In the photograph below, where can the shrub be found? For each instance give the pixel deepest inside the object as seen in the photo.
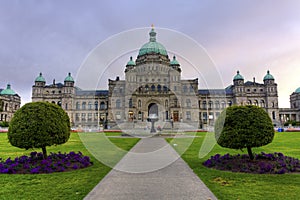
(4, 124)
(241, 127)
(264, 163)
(37, 164)
(38, 125)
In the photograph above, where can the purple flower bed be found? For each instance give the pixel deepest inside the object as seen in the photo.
(263, 163)
(36, 164)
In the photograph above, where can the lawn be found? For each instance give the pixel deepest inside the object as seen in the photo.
(228, 185)
(64, 185)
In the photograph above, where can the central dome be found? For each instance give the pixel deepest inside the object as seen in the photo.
(152, 46)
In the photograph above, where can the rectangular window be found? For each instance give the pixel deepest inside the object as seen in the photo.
(188, 115)
(83, 117)
(90, 117)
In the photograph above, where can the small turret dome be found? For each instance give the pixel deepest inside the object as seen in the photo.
(152, 46)
(69, 78)
(174, 61)
(238, 76)
(130, 62)
(297, 90)
(8, 91)
(40, 78)
(268, 76)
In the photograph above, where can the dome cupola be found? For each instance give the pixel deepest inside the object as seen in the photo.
(238, 76)
(130, 62)
(152, 46)
(268, 76)
(8, 91)
(69, 78)
(40, 78)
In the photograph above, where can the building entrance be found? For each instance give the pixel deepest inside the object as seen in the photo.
(175, 116)
(153, 109)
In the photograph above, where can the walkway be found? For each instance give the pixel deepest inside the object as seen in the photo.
(151, 170)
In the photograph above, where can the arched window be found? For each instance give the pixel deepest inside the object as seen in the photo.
(96, 105)
(217, 105)
(83, 105)
(166, 104)
(130, 103)
(210, 105)
(146, 88)
(229, 103)
(273, 115)
(191, 89)
(153, 88)
(185, 88)
(255, 102)
(102, 105)
(118, 103)
(204, 104)
(90, 105)
(159, 88)
(165, 88)
(77, 106)
(188, 103)
(139, 103)
(273, 104)
(249, 102)
(223, 105)
(262, 103)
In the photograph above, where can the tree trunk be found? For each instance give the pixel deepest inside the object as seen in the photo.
(44, 152)
(250, 153)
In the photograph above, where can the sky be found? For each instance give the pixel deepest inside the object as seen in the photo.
(55, 37)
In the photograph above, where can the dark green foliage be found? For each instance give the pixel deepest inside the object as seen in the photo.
(4, 124)
(241, 127)
(38, 125)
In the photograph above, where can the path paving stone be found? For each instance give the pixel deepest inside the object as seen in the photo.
(151, 170)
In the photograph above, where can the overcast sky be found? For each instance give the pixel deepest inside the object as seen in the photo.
(55, 36)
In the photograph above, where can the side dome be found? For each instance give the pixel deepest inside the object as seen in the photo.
(8, 91)
(238, 76)
(174, 61)
(297, 90)
(130, 62)
(40, 78)
(69, 78)
(152, 46)
(268, 76)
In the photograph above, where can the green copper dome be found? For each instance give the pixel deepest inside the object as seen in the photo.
(152, 46)
(238, 76)
(69, 78)
(174, 61)
(8, 91)
(268, 76)
(40, 78)
(297, 90)
(130, 62)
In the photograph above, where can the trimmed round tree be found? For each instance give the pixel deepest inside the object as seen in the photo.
(240, 127)
(38, 125)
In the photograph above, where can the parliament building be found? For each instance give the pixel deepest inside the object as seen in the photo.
(153, 85)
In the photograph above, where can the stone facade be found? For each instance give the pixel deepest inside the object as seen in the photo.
(9, 103)
(153, 85)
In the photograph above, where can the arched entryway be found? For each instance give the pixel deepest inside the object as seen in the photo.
(153, 109)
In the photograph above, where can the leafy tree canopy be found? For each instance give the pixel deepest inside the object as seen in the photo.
(38, 125)
(241, 127)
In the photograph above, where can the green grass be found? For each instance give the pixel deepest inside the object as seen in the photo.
(64, 185)
(229, 185)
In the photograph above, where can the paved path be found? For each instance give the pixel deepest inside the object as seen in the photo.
(151, 170)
